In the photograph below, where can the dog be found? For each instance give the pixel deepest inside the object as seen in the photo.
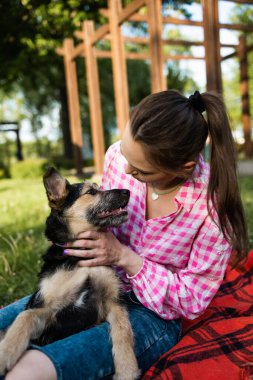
(71, 298)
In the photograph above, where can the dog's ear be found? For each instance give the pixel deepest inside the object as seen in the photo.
(56, 187)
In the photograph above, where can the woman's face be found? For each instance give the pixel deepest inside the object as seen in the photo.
(139, 167)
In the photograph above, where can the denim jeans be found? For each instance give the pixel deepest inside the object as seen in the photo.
(88, 354)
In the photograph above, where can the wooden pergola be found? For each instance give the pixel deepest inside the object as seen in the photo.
(13, 126)
(152, 15)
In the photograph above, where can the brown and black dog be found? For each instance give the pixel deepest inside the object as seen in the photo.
(71, 298)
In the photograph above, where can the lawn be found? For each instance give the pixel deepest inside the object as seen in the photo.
(23, 209)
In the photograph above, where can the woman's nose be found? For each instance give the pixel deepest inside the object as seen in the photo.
(130, 170)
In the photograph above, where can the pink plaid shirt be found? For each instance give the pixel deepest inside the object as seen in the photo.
(185, 254)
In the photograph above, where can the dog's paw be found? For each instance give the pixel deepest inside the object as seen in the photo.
(2, 334)
(128, 375)
(8, 357)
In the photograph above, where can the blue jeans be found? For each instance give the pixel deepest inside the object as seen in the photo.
(88, 354)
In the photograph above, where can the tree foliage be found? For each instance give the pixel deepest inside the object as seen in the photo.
(30, 32)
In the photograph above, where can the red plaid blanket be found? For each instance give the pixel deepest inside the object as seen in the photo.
(219, 344)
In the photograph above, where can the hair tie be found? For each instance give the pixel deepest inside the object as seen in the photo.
(196, 102)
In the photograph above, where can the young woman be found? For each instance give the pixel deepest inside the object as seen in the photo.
(185, 220)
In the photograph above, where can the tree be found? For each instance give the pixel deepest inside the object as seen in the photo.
(30, 32)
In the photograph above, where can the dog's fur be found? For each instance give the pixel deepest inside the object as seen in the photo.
(71, 298)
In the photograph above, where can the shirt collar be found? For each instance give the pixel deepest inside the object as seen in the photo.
(191, 190)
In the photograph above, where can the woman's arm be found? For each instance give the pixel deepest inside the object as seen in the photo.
(186, 293)
(189, 291)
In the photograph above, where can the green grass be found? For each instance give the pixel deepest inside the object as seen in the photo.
(23, 209)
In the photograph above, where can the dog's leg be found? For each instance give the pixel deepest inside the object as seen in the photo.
(2, 334)
(126, 366)
(28, 325)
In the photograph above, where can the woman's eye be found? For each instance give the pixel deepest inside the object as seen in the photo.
(142, 173)
(92, 191)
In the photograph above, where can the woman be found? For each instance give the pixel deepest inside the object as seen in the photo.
(184, 222)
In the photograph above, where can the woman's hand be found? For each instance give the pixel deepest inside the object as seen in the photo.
(103, 248)
(97, 248)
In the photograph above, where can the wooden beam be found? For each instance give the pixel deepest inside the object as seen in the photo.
(169, 41)
(103, 54)
(229, 45)
(130, 9)
(73, 104)
(244, 87)
(166, 20)
(137, 40)
(127, 12)
(158, 80)
(118, 66)
(94, 97)
(141, 56)
(178, 57)
(235, 54)
(78, 50)
(79, 34)
(176, 21)
(232, 55)
(249, 48)
(138, 18)
(104, 12)
(212, 45)
(100, 33)
(60, 51)
(138, 56)
(240, 1)
(242, 27)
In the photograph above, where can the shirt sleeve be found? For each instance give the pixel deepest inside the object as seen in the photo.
(188, 292)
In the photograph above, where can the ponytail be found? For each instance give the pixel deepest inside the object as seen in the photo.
(223, 190)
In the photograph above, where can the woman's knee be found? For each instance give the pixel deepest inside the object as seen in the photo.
(34, 365)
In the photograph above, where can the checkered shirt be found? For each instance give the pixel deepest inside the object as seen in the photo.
(185, 255)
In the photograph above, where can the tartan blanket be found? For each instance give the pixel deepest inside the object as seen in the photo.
(219, 344)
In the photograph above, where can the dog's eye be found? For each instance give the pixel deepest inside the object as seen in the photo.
(91, 191)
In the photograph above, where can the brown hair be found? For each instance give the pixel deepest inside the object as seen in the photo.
(173, 132)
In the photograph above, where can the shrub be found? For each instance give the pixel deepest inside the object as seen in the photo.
(36, 167)
(29, 168)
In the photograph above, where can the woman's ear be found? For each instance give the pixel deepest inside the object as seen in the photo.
(189, 166)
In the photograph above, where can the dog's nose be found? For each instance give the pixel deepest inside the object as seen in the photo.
(125, 192)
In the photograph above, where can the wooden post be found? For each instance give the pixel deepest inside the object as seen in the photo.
(212, 45)
(73, 104)
(19, 146)
(158, 79)
(94, 97)
(244, 87)
(118, 65)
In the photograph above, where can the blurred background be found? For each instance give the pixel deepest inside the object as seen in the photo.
(34, 114)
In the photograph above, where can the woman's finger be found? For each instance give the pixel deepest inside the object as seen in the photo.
(94, 235)
(90, 263)
(82, 243)
(79, 253)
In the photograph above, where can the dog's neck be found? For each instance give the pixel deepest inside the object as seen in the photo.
(64, 245)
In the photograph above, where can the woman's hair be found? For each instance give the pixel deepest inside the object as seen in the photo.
(172, 131)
